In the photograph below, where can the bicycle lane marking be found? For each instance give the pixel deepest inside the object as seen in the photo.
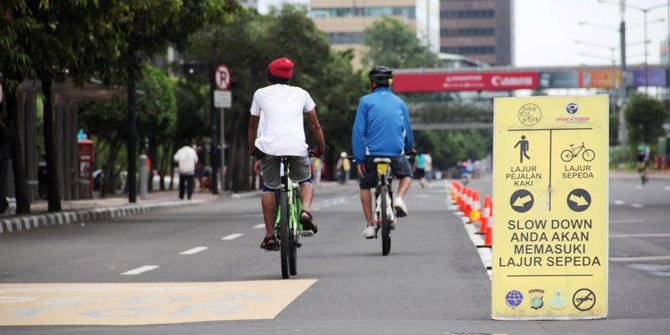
(145, 303)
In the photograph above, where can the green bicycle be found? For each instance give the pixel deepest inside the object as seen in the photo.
(288, 228)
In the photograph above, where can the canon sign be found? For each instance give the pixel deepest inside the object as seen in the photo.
(465, 81)
(503, 81)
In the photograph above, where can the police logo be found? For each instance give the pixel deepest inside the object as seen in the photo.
(513, 298)
(535, 298)
(572, 108)
(557, 301)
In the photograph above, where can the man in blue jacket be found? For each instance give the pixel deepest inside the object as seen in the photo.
(381, 129)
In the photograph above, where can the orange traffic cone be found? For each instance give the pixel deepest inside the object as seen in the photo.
(475, 208)
(488, 239)
(487, 207)
(483, 225)
(468, 202)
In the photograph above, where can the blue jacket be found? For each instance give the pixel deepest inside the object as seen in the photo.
(381, 127)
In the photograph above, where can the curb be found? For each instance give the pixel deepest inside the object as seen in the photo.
(28, 222)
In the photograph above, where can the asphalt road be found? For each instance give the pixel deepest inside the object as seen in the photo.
(434, 281)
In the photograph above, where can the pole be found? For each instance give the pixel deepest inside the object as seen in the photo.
(215, 141)
(622, 126)
(646, 78)
(131, 180)
(223, 151)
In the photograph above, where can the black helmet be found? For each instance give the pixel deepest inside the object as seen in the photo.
(381, 75)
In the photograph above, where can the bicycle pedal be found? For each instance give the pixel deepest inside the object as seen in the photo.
(306, 233)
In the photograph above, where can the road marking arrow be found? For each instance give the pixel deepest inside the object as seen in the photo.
(522, 201)
(579, 200)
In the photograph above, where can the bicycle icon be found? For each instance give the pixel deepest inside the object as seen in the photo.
(569, 154)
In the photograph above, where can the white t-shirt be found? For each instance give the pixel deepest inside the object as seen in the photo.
(187, 158)
(281, 107)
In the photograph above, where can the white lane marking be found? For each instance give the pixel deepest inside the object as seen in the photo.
(139, 270)
(627, 221)
(640, 259)
(259, 226)
(193, 250)
(231, 237)
(636, 205)
(638, 235)
(619, 202)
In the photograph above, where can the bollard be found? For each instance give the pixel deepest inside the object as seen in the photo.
(144, 177)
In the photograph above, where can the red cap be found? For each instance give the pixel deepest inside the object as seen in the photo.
(281, 67)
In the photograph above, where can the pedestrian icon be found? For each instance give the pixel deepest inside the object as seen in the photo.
(579, 200)
(523, 148)
(522, 201)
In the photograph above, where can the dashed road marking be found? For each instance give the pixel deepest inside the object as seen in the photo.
(637, 205)
(640, 259)
(139, 270)
(193, 250)
(638, 235)
(259, 226)
(231, 237)
(627, 221)
(619, 202)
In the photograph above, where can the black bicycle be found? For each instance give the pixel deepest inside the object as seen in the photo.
(384, 214)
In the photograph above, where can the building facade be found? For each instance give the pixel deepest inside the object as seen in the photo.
(344, 20)
(479, 29)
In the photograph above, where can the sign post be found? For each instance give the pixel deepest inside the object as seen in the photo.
(223, 98)
(550, 251)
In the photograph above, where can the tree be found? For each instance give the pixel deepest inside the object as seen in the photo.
(248, 46)
(394, 44)
(156, 115)
(45, 40)
(147, 30)
(644, 119)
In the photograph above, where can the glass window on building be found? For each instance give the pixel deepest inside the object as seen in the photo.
(470, 50)
(405, 12)
(345, 38)
(468, 14)
(468, 32)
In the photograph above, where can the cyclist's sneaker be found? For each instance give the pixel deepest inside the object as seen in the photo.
(370, 232)
(308, 226)
(400, 207)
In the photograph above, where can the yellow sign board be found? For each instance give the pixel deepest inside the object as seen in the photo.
(550, 170)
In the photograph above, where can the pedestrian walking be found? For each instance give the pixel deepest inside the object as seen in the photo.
(186, 158)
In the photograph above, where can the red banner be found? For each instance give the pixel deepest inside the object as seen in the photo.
(465, 81)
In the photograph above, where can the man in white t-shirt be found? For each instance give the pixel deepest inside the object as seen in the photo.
(187, 158)
(282, 108)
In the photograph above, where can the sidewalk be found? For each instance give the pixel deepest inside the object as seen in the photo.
(87, 210)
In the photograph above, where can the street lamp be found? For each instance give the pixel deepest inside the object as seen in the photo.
(622, 84)
(622, 8)
(613, 59)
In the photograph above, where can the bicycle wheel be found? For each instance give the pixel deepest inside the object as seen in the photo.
(293, 238)
(284, 242)
(589, 155)
(386, 222)
(567, 155)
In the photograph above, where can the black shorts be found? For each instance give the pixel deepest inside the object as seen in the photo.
(399, 167)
